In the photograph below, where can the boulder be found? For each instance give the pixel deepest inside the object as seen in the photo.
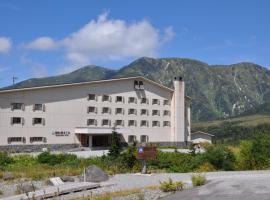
(26, 187)
(67, 179)
(8, 176)
(94, 174)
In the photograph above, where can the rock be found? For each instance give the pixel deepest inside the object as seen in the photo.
(8, 176)
(67, 179)
(26, 187)
(94, 174)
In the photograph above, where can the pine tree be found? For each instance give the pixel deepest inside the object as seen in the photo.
(115, 147)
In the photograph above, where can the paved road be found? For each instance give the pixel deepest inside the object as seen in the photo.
(242, 186)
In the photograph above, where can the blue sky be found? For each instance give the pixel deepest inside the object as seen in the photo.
(44, 38)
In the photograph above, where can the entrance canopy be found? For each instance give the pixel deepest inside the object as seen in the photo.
(100, 131)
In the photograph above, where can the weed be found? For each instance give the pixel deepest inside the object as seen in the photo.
(198, 180)
(171, 186)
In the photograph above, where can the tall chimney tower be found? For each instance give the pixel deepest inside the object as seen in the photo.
(179, 110)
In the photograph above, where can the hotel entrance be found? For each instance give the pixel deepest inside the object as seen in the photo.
(100, 141)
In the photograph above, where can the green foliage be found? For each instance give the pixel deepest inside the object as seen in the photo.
(174, 162)
(234, 130)
(198, 180)
(171, 186)
(128, 157)
(57, 159)
(245, 159)
(115, 147)
(261, 151)
(5, 159)
(220, 156)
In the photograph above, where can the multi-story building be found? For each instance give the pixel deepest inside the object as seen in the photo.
(83, 114)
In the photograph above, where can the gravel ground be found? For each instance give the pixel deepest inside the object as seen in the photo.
(130, 181)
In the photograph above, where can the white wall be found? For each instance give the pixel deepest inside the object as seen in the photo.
(66, 109)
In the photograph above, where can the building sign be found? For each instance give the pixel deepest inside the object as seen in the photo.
(147, 153)
(61, 133)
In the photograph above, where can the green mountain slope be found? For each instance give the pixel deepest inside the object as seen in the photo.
(217, 91)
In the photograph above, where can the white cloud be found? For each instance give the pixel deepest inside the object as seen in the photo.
(42, 43)
(108, 39)
(5, 44)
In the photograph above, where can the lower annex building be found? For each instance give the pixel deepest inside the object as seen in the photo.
(83, 114)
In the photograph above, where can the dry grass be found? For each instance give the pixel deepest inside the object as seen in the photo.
(121, 193)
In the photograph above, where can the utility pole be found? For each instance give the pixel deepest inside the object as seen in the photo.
(14, 78)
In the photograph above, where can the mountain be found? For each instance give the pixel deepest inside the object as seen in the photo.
(217, 91)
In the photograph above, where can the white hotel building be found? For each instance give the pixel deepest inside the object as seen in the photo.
(83, 114)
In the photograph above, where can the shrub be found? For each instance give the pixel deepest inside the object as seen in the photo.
(221, 157)
(198, 180)
(56, 159)
(128, 158)
(171, 186)
(206, 167)
(5, 159)
(174, 162)
(245, 159)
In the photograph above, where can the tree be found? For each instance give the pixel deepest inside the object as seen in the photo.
(115, 147)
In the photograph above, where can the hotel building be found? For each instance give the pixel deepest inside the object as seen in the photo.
(83, 114)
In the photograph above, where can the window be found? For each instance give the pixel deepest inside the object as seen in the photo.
(17, 120)
(92, 109)
(119, 122)
(166, 113)
(155, 123)
(166, 102)
(132, 100)
(38, 107)
(106, 122)
(106, 110)
(106, 98)
(144, 123)
(91, 122)
(16, 139)
(131, 123)
(136, 85)
(155, 112)
(17, 106)
(144, 112)
(132, 111)
(119, 111)
(131, 138)
(166, 123)
(141, 85)
(144, 101)
(38, 139)
(155, 101)
(144, 138)
(119, 99)
(92, 97)
(38, 120)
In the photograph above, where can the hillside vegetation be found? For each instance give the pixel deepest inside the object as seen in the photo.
(217, 91)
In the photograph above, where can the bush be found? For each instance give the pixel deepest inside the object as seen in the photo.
(221, 157)
(198, 180)
(174, 162)
(5, 159)
(57, 159)
(245, 159)
(206, 167)
(171, 186)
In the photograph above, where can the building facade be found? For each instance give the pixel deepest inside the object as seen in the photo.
(83, 114)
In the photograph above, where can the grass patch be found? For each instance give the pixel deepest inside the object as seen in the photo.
(122, 193)
(171, 186)
(198, 180)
